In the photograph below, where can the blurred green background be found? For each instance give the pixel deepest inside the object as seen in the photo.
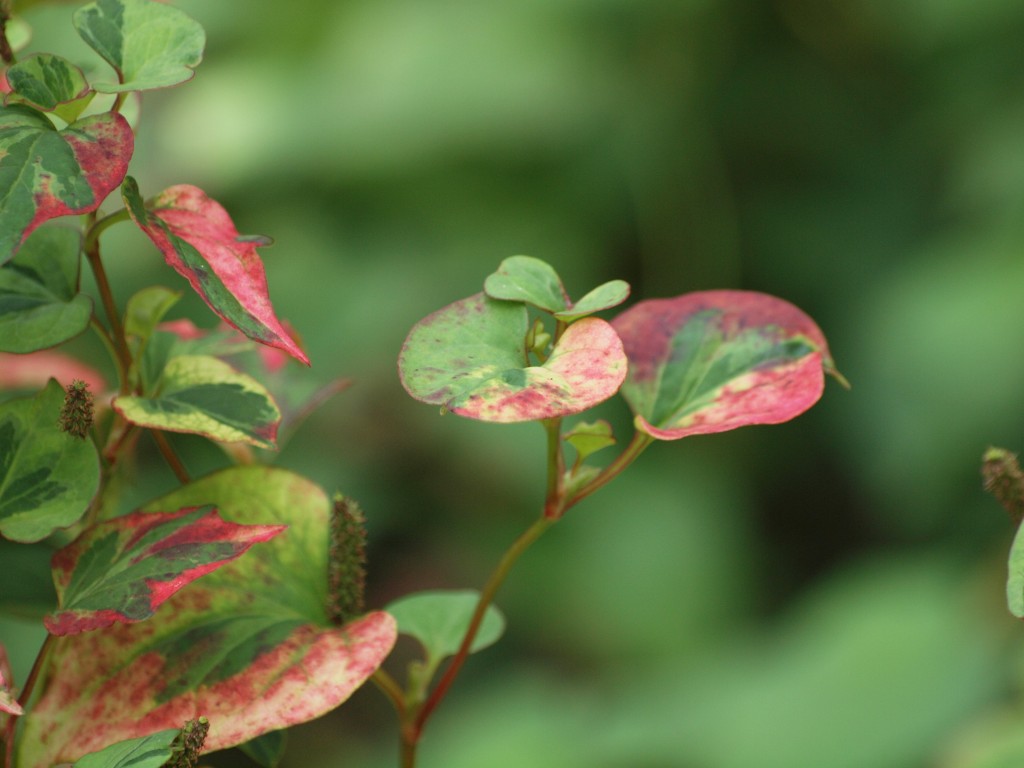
(827, 592)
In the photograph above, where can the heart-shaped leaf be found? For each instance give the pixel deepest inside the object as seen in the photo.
(530, 280)
(198, 239)
(45, 173)
(717, 360)
(150, 44)
(469, 357)
(47, 478)
(124, 569)
(249, 645)
(39, 301)
(152, 751)
(52, 84)
(206, 396)
(438, 619)
(590, 437)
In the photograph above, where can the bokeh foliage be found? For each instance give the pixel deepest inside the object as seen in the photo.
(827, 592)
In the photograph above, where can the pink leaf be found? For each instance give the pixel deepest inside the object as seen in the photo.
(198, 239)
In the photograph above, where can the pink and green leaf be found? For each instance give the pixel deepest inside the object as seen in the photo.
(717, 360)
(198, 239)
(150, 45)
(50, 83)
(124, 569)
(47, 477)
(39, 301)
(205, 396)
(469, 357)
(45, 173)
(249, 645)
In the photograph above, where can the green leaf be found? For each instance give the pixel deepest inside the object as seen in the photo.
(524, 278)
(438, 619)
(39, 301)
(266, 750)
(122, 570)
(717, 360)
(45, 173)
(206, 396)
(1015, 578)
(149, 44)
(249, 645)
(52, 84)
(143, 312)
(26, 582)
(47, 478)
(150, 751)
(605, 296)
(469, 357)
(198, 239)
(589, 437)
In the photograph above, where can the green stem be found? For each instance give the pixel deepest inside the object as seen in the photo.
(553, 499)
(636, 446)
(170, 456)
(26, 695)
(92, 253)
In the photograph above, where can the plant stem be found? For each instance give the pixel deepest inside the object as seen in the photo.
(92, 252)
(411, 734)
(6, 52)
(553, 499)
(172, 459)
(636, 446)
(26, 694)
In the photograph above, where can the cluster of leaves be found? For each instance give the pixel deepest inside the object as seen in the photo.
(171, 614)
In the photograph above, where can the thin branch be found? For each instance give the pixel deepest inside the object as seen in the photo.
(172, 459)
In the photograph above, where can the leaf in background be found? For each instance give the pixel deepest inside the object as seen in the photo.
(45, 173)
(39, 301)
(205, 396)
(438, 619)
(152, 751)
(469, 357)
(51, 84)
(124, 569)
(717, 360)
(249, 646)
(26, 581)
(151, 45)
(47, 478)
(198, 239)
(34, 370)
(266, 750)
(524, 278)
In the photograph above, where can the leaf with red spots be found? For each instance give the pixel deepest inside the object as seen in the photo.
(717, 360)
(124, 569)
(45, 173)
(249, 645)
(198, 239)
(470, 358)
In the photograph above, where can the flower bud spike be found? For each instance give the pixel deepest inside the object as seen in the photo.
(189, 744)
(77, 412)
(346, 562)
(1004, 480)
